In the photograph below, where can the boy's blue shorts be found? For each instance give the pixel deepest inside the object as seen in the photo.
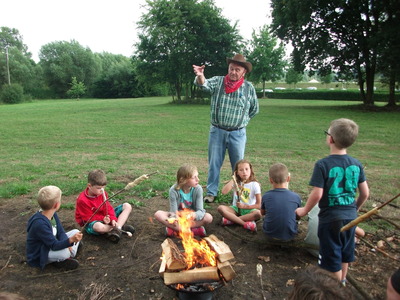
(89, 227)
(335, 247)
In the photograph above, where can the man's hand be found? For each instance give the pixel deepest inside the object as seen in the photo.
(199, 70)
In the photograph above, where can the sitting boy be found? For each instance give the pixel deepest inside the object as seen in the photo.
(47, 241)
(279, 206)
(92, 206)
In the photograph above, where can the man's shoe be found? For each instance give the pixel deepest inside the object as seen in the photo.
(114, 235)
(128, 228)
(209, 198)
(251, 225)
(199, 231)
(169, 232)
(226, 222)
(68, 264)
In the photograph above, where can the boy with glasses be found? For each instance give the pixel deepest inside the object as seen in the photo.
(335, 180)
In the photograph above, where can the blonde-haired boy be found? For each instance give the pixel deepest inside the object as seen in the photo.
(279, 205)
(47, 242)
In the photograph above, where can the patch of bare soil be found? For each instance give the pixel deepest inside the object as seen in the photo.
(129, 269)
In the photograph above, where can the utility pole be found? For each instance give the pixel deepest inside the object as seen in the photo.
(8, 67)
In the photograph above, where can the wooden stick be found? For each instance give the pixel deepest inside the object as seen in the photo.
(381, 251)
(127, 187)
(366, 215)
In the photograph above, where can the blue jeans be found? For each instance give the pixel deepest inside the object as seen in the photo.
(219, 141)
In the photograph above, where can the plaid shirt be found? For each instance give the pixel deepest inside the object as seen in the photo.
(232, 110)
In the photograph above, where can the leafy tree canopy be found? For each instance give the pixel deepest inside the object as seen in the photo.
(62, 61)
(175, 34)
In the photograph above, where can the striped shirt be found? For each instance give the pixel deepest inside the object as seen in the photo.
(232, 110)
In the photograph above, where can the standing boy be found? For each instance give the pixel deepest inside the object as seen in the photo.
(47, 241)
(279, 206)
(92, 206)
(335, 180)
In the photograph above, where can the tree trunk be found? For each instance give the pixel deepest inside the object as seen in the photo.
(392, 83)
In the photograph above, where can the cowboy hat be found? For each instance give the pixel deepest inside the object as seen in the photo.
(240, 60)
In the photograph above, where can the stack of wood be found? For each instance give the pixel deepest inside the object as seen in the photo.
(173, 266)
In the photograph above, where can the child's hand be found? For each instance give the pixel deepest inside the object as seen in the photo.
(240, 205)
(107, 219)
(301, 212)
(76, 237)
(114, 223)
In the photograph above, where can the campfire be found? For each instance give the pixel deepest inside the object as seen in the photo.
(202, 266)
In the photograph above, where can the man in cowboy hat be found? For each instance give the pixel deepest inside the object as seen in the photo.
(233, 103)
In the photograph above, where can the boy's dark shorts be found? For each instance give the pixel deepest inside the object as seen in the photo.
(335, 247)
(89, 228)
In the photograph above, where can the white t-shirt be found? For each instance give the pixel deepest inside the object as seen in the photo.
(249, 192)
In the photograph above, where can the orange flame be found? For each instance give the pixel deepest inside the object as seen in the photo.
(196, 252)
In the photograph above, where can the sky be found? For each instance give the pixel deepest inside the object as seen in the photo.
(103, 25)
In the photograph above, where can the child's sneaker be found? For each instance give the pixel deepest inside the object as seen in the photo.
(68, 264)
(251, 225)
(226, 222)
(114, 235)
(128, 228)
(199, 231)
(79, 251)
(170, 232)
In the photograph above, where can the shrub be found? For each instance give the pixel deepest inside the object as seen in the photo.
(11, 94)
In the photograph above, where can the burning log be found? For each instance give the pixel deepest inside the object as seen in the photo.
(223, 251)
(226, 270)
(192, 276)
(174, 259)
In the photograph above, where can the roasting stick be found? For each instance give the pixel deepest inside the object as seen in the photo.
(127, 187)
(238, 190)
(366, 215)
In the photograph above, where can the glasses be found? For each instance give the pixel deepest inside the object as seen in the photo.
(327, 133)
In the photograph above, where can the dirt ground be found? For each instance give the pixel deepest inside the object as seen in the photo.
(129, 269)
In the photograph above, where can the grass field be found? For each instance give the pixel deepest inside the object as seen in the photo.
(58, 141)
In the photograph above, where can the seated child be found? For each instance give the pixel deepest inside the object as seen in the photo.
(92, 206)
(47, 241)
(279, 206)
(245, 209)
(185, 193)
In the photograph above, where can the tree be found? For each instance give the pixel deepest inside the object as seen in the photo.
(21, 68)
(118, 78)
(267, 57)
(77, 89)
(341, 34)
(175, 34)
(63, 60)
(292, 76)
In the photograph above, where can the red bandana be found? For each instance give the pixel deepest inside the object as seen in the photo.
(230, 85)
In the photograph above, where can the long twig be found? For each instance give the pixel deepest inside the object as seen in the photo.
(5, 266)
(358, 287)
(295, 243)
(380, 250)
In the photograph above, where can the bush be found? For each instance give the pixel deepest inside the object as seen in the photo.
(11, 94)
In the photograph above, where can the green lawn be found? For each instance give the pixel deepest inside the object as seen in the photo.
(58, 141)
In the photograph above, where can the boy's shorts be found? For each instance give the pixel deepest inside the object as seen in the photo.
(241, 211)
(89, 228)
(335, 247)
